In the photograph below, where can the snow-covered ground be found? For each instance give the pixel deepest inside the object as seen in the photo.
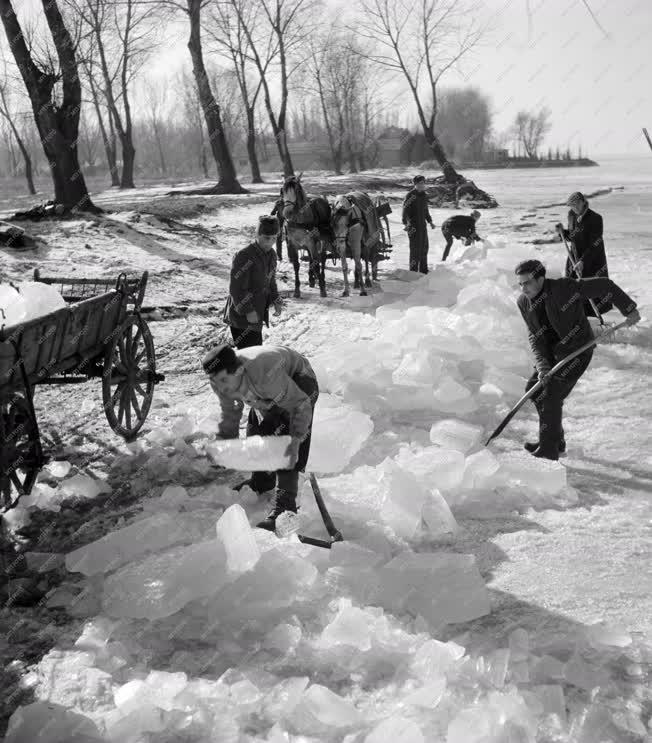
(462, 605)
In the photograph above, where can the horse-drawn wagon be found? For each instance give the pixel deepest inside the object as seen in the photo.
(99, 334)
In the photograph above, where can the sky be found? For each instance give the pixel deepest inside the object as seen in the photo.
(595, 85)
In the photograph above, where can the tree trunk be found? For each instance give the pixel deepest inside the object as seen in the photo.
(128, 160)
(159, 144)
(109, 147)
(227, 178)
(58, 124)
(450, 174)
(251, 146)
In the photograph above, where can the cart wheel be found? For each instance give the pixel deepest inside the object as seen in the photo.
(20, 455)
(128, 378)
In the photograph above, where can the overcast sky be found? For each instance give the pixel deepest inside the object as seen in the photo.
(597, 87)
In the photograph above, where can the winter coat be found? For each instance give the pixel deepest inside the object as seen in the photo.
(415, 210)
(564, 303)
(459, 225)
(268, 381)
(252, 287)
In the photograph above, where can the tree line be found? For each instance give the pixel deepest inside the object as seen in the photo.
(259, 72)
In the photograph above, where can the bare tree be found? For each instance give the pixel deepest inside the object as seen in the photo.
(421, 40)
(285, 27)
(155, 95)
(56, 107)
(11, 115)
(530, 130)
(123, 32)
(93, 78)
(228, 33)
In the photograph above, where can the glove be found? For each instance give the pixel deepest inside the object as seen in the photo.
(467, 241)
(543, 375)
(633, 317)
(292, 452)
(579, 267)
(560, 228)
(432, 226)
(252, 317)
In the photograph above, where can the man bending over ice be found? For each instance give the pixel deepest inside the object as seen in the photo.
(553, 310)
(281, 388)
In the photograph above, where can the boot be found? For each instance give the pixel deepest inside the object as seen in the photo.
(546, 451)
(532, 446)
(282, 501)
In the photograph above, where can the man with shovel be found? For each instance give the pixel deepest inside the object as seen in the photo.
(555, 315)
(281, 388)
(586, 253)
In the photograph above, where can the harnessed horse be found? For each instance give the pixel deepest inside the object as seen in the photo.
(304, 229)
(349, 229)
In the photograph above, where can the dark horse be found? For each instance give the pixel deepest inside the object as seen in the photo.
(307, 227)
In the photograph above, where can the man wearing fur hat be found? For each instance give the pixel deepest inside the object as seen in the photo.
(281, 388)
(252, 289)
(415, 216)
(585, 232)
(459, 226)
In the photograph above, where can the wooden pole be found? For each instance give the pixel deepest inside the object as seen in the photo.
(647, 136)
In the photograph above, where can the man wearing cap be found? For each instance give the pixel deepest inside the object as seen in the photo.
(252, 289)
(281, 388)
(459, 226)
(415, 216)
(585, 232)
(554, 312)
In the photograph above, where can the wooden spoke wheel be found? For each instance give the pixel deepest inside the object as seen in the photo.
(20, 451)
(129, 377)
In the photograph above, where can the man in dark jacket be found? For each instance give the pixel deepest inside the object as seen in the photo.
(585, 234)
(553, 310)
(459, 226)
(253, 287)
(415, 216)
(281, 387)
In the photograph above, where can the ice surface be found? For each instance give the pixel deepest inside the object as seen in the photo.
(602, 634)
(46, 722)
(455, 434)
(150, 534)
(162, 584)
(443, 588)
(235, 533)
(338, 433)
(396, 730)
(320, 711)
(260, 453)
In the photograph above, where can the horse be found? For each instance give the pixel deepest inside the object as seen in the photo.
(359, 232)
(307, 227)
(349, 228)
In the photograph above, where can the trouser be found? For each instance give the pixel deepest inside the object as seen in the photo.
(449, 241)
(276, 423)
(246, 337)
(419, 251)
(549, 402)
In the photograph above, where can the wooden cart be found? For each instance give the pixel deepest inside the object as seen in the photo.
(101, 334)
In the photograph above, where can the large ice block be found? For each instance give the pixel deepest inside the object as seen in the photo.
(351, 626)
(150, 534)
(13, 307)
(396, 730)
(320, 712)
(454, 434)
(418, 368)
(338, 433)
(162, 584)
(235, 533)
(437, 515)
(480, 470)
(443, 588)
(46, 722)
(537, 475)
(261, 453)
(452, 397)
(433, 467)
(40, 299)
